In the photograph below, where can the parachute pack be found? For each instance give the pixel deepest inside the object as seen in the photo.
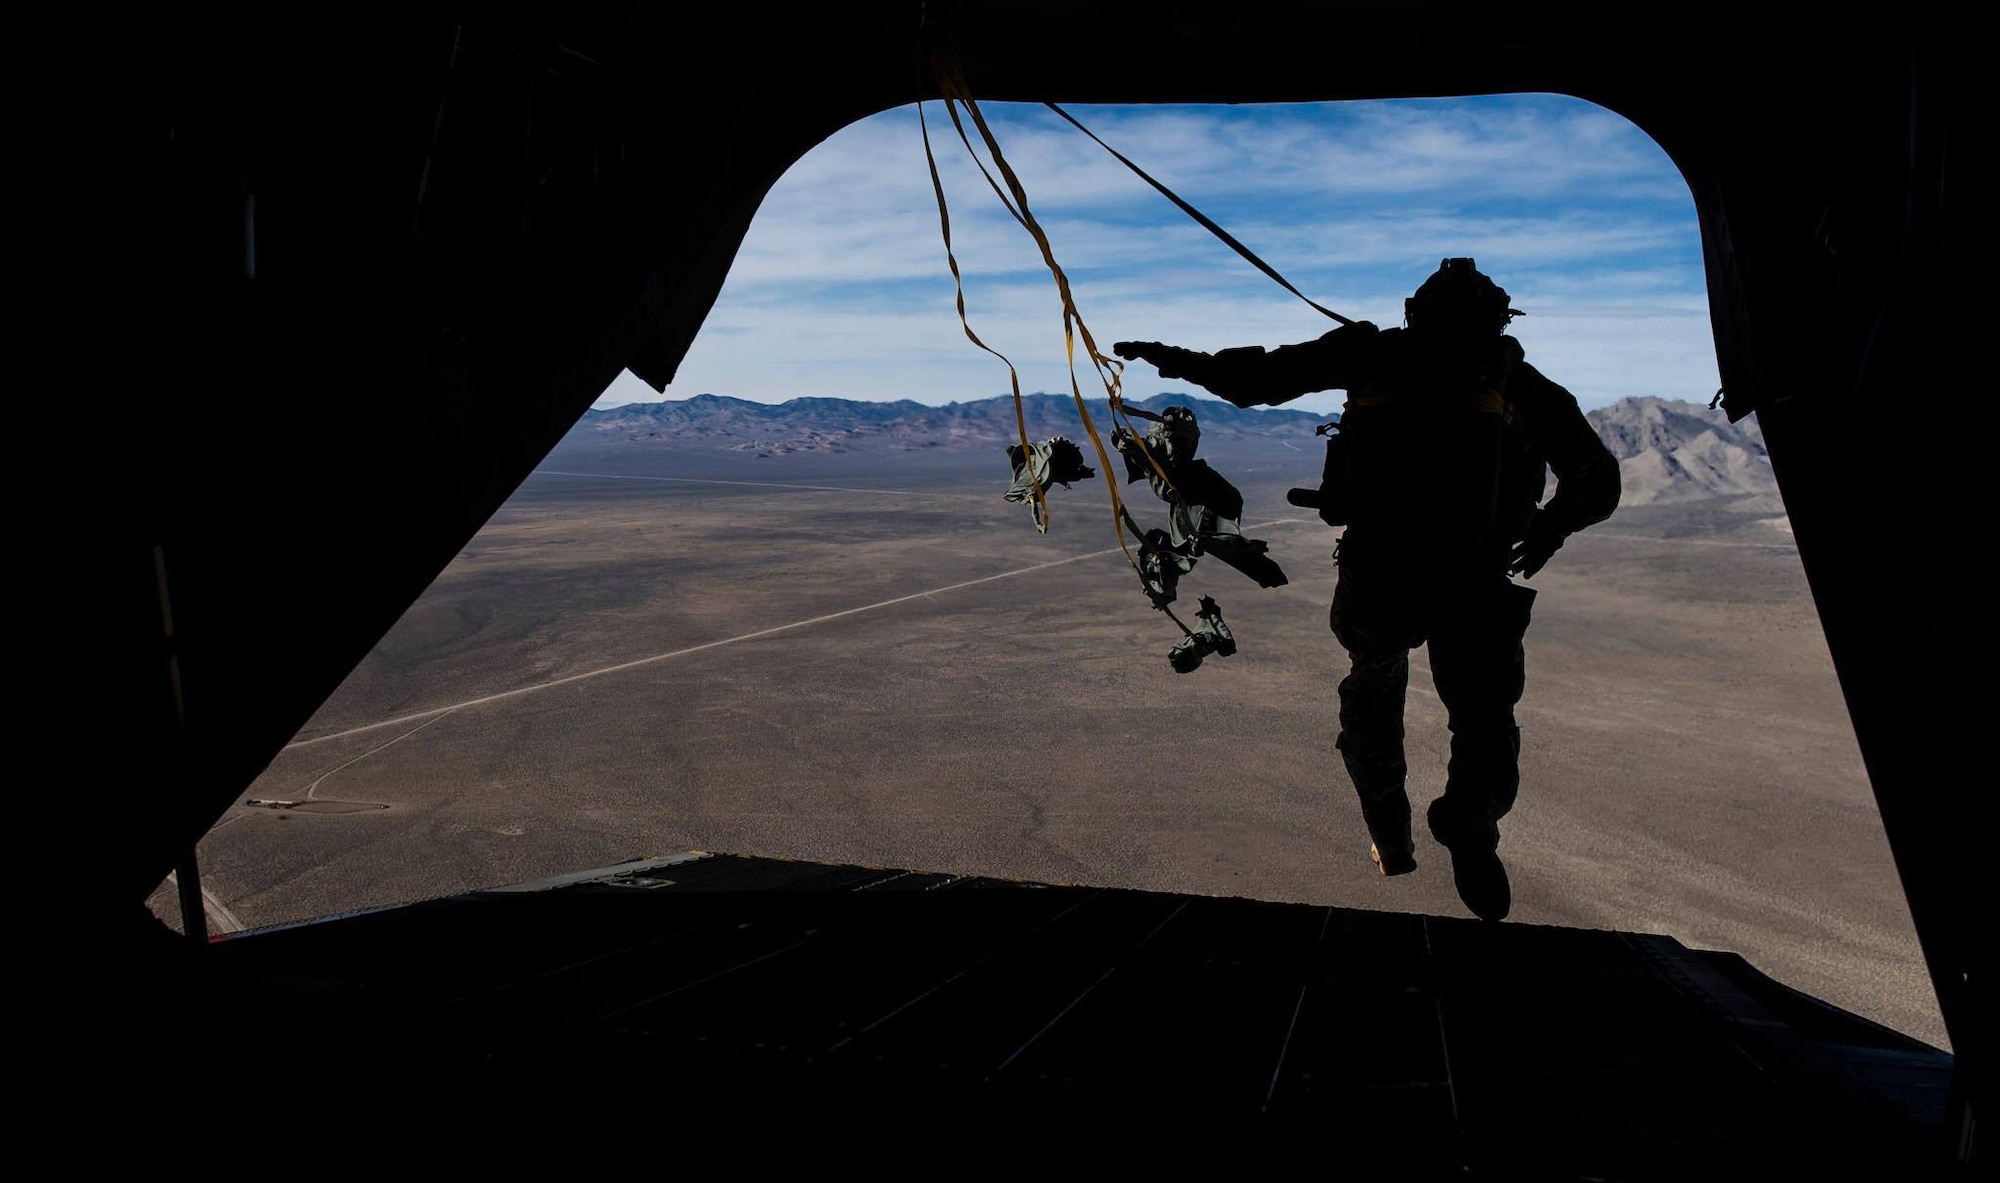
(1204, 518)
(1056, 461)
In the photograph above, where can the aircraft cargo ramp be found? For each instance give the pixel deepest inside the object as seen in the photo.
(714, 988)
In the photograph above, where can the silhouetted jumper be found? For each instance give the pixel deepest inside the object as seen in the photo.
(1438, 473)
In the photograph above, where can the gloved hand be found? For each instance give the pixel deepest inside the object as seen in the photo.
(1532, 553)
(1159, 355)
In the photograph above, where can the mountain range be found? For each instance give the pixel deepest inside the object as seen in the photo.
(833, 425)
(1667, 450)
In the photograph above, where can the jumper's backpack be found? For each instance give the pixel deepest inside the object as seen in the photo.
(1424, 450)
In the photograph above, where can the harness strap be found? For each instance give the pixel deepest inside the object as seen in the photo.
(1110, 371)
(951, 85)
(958, 283)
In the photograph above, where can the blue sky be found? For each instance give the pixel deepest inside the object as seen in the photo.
(841, 288)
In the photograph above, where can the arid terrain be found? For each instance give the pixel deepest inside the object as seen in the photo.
(866, 656)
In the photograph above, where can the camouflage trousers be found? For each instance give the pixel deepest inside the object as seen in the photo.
(1477, 665)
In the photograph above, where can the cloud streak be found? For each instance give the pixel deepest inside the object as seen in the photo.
(841, 289)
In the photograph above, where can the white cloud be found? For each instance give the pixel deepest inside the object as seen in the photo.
(841, 288)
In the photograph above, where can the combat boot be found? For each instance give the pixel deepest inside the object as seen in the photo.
(1392, 861)
(1390, 846)
(1476, 869)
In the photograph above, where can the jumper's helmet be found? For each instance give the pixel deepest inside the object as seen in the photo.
(1459, 301)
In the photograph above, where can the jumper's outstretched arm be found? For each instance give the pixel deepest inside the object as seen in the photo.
(1251, 376)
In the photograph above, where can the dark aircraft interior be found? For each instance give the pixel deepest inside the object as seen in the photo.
(442, 231)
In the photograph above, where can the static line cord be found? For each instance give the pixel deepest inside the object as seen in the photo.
(1040, 501)
(1014, 199)
(1205, 221)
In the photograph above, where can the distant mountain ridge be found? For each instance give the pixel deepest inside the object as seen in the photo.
(834, 425)
(1675, 451)
(1667, 450)
(837, 424)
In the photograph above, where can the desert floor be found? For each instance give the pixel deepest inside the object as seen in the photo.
(871, 662)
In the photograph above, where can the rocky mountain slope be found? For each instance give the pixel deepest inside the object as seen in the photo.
(1676, 451)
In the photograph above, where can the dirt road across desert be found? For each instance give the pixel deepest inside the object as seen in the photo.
(617, 668)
